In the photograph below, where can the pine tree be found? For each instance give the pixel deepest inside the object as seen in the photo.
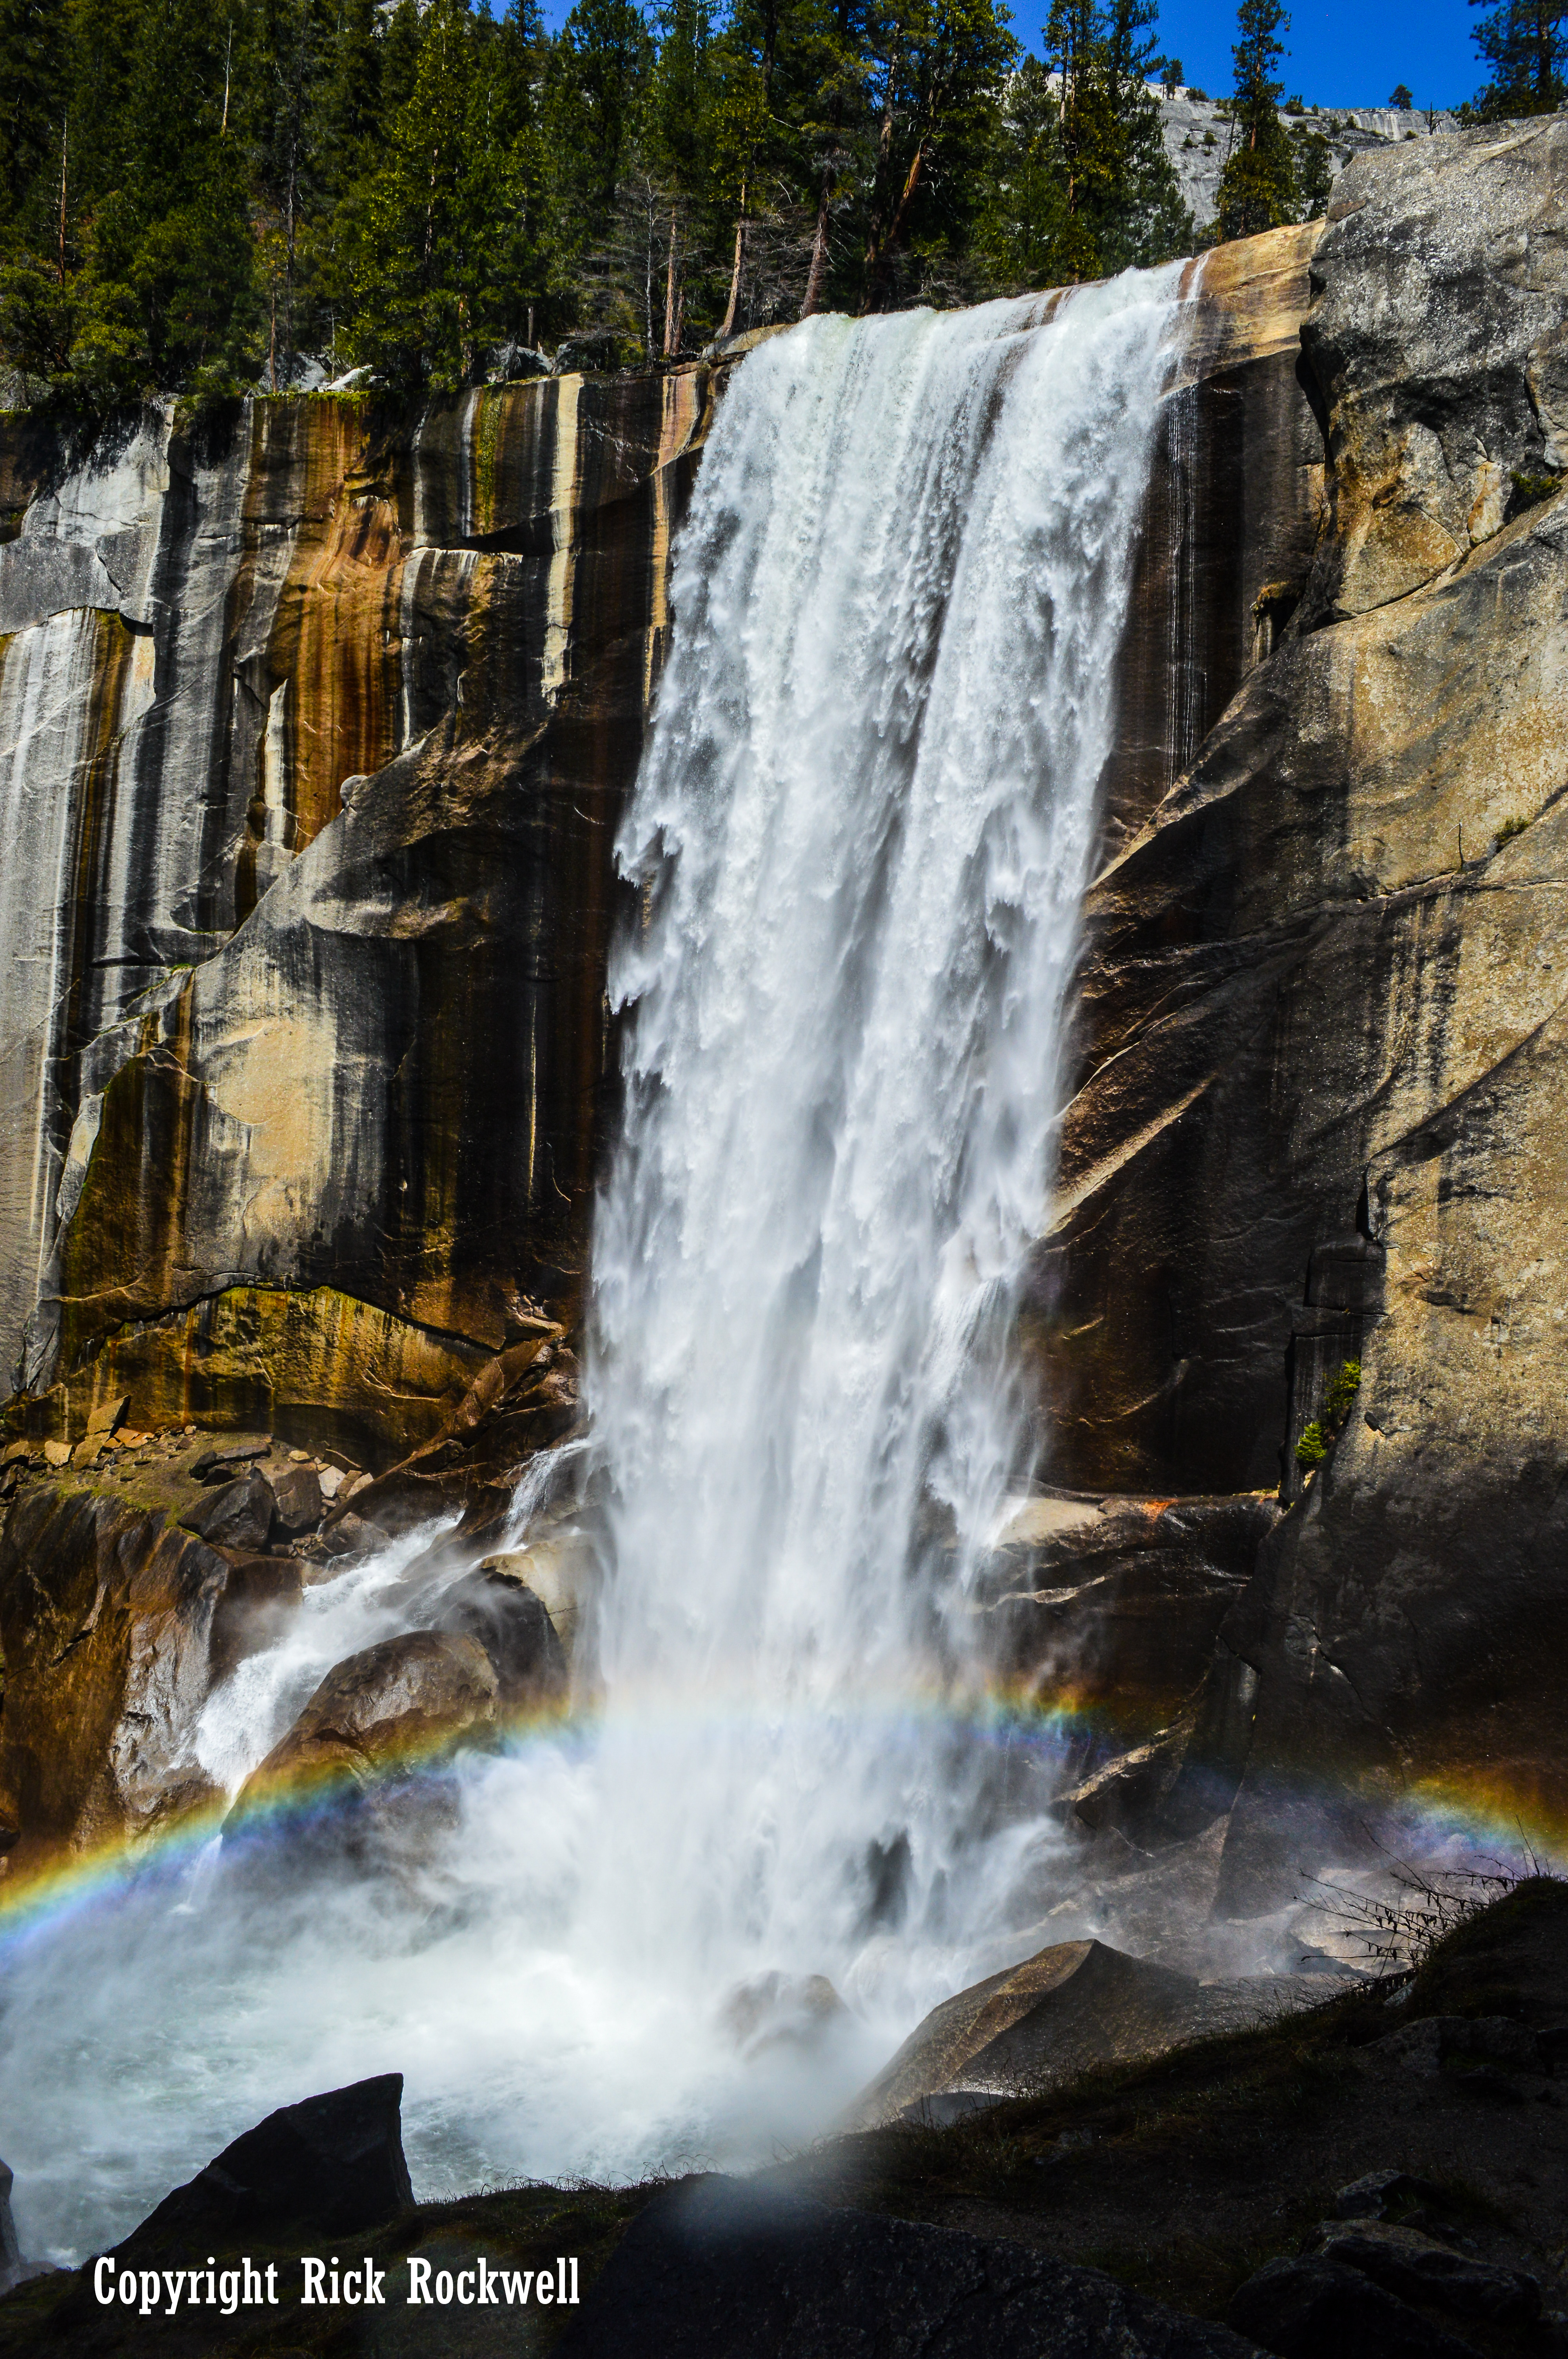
(938, 68)
(413, 268)
(1525, 44)
(1257, 185)
(1086, 186)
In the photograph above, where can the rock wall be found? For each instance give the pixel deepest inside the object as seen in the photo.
(314, 725)
(317, 724)
(1324, 1098)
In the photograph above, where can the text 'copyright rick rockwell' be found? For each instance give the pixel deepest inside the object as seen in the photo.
(163, 2293)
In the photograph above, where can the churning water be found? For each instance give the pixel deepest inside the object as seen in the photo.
(861, 832)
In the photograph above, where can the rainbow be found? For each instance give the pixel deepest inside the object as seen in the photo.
(1476, 1818)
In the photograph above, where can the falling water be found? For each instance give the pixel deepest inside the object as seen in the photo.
(861, 836)
(862, 833)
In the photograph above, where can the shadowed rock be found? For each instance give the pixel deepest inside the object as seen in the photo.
(1307, 2308)
(259, 1600)
(239, 1516)
(719, 2270)
(1416, 2266)
(1075, 2004)
(517, 1633)
(329, 2165)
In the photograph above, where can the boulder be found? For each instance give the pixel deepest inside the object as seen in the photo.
(1308, 2309)
(774, 2011)
(230, 1459)
(331, 2166)
(239, 1516)
(299, 1502)
(259, 1600)
(720, 2269)
(395, 1707)
(517, 1633)
(1418, 2268)
(1386, 2195)
(1071, 2005)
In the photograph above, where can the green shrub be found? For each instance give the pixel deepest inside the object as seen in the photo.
(1312, 1448)
(1342, 1392)
(1530, 490)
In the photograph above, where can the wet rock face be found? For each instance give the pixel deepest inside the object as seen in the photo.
(515, 1631)
(392, 1707)
(105, 1614)
(1322, 1098)
(402, 666)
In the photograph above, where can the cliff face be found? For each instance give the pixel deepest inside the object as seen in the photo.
(315, 726)
(1321, 1115)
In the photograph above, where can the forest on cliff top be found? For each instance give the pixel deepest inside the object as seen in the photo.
(208, 196)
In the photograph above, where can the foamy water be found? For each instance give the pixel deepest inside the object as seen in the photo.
(861, 830)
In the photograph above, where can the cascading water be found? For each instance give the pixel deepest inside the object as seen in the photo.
(862, 831)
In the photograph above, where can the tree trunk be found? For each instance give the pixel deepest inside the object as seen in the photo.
(880, 251)
(818, 271)
(735, 303)
(670, 294)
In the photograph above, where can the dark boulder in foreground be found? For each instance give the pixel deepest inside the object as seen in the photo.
(328, 2165)
(723, 2270)
(1309, 2309)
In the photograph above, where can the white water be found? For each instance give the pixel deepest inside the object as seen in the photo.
(862, 828)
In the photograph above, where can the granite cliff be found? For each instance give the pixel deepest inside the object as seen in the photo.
(317, 721)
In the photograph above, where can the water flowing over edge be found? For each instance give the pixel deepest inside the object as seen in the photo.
(860, 833)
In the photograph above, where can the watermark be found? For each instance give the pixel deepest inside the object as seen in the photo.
(327, 2282)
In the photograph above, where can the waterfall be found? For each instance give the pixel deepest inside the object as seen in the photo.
(860, 838)
(860, 834)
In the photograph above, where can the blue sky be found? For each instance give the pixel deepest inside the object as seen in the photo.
(1339, 52)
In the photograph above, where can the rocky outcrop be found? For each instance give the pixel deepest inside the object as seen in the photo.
(319, 722)
(116, 1619)
(329, 2165)
(1322, 1098)
(1069, 2006)
(105, 1614)
(397, 1706)
(721, 2269)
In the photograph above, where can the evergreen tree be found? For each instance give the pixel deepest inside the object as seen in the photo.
(1525, 44)
(33, 106)
(1257, 183)
(937, 73)
(1087, 188)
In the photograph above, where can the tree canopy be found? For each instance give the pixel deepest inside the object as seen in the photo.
(205, 196)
